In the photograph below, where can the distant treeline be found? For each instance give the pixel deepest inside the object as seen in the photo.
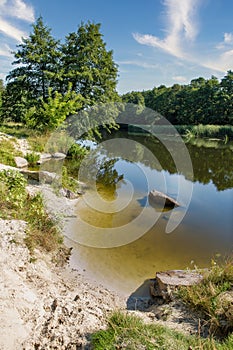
(203, 101)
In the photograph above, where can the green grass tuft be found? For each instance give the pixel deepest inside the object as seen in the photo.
(126, 331)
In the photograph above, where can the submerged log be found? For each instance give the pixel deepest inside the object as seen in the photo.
(156, 197)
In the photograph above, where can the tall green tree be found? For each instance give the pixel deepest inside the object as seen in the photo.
(37, 59)
(88, 65)
(1, 93)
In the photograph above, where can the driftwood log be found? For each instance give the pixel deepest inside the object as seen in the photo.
(159, 198)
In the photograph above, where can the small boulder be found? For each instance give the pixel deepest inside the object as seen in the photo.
(167, 281)
(44, 157)
(20, 162)
(58, 155)
(159, 198)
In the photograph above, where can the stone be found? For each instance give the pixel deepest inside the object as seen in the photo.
(167, 281)
(21, 162)
(44, 157)
(58, 155)
(159, 198)
(39, 176)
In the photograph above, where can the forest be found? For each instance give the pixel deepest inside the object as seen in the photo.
(53, 79)
(203, 101)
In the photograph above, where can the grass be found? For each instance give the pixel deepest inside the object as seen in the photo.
(36, 140)
(126, 331)
(224, 132)
(213, 297)
(17, 204)
(8, 152)
(32, 158)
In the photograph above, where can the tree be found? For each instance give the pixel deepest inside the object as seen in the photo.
(38, 57)
(1, 93)
(88, 65)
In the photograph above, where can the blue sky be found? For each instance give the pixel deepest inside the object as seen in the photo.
(154, 41)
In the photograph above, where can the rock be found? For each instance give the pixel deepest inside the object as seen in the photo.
(39, 176)
(20, 162)
(7, 167)
(67, 193)
(167, 281)
(156, 197)
(58, 155)
(44, 157)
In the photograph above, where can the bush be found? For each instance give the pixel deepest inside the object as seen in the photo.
(211, 297)
(76, 152)
(16, 203)
(12, 190)
(7, 152)
(32, 158)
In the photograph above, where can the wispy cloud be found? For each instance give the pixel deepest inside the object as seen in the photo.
(5, 50)
(181, 31)
(179, 79)
(11, 30)
(14, 18)
(11, 10)
(18, 9)
(137, 63)
(181, 26)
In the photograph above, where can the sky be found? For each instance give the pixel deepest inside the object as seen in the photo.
(154, 42)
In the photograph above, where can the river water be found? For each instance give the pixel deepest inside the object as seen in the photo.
(135, 249)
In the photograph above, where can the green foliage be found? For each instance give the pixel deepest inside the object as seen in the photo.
(68, 181)
(88, 65)
(223, 132)
(206, 297)
(52, 113)
(202, 101)
(12, 191)
(37, 57)
(43, 231)
(129, 332)
(76, 152)
(15, 202)
(7, 152)
(32, 158)
(53, 81)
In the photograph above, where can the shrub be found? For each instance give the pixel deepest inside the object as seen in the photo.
(32, 158)
(211, 297)
(12, 190)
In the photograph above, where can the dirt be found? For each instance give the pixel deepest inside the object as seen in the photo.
(44, 306)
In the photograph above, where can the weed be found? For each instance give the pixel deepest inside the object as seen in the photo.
(129, 332)
(213, 296)
(32, 158)
(8, 152)
(15, 202)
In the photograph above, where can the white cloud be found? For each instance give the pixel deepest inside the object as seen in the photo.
(180, 27)
(10, 30)
(17, 9)
(139, 64)
(5, 50)
(14, 9)
(228, 38)
(181, 31)
(222, 64)
(179, 78)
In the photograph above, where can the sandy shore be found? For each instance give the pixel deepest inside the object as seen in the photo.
(43, 305)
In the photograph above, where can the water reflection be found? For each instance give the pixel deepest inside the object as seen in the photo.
(206, 230)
